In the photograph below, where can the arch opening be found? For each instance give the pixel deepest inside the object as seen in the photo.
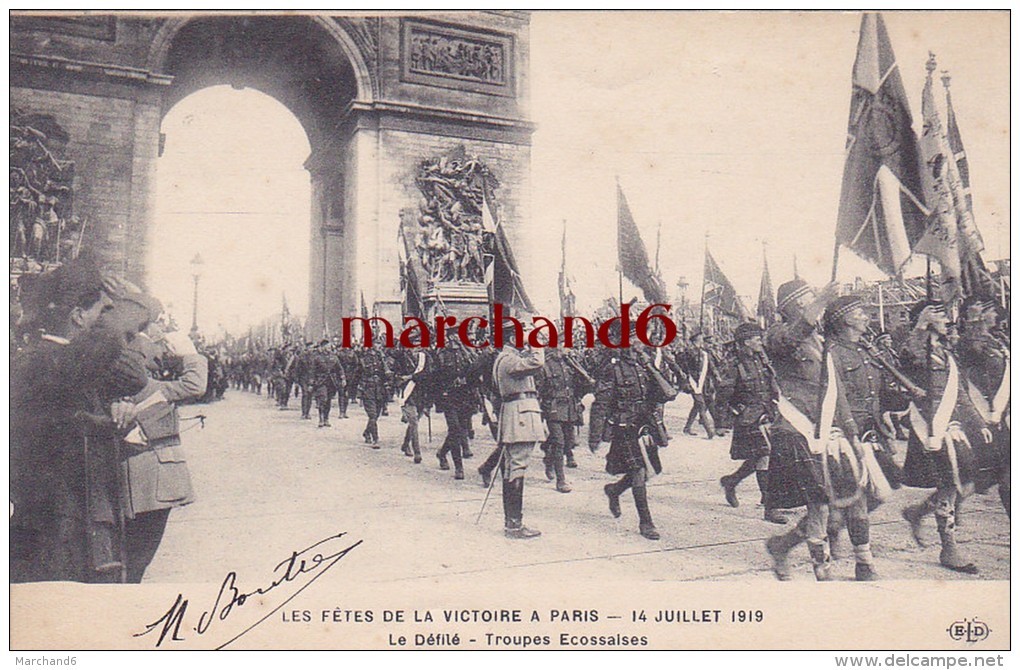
(304, 66)
(231, 188)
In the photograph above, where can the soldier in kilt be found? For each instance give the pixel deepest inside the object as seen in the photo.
(818, 473)
(985, 361)
(951, 447)
(627, 394)
(753, 404)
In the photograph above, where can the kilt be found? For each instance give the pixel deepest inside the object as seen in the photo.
(748, 442)
(624, 452)
(796, 476)
(978, 463)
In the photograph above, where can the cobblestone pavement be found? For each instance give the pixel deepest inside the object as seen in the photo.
(267, 483)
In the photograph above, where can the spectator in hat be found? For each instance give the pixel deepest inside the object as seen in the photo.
(156, 473)
(63, 525)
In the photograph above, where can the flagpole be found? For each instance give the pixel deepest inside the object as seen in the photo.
(881, 309)
(701, 316)
(835, 259)
(619, 274)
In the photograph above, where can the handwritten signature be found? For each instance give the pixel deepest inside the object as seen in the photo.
(311, 562)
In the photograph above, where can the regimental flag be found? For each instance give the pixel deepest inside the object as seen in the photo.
(940, 240)
(974, 275)
(502, 278)
(633, 257)
(719, 292)
(882, 213)
(411, 269)
(567, 301)
(364, 307)
(766, 296)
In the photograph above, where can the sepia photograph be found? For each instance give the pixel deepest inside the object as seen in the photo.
(501, 330)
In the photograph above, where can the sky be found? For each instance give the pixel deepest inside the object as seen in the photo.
(231, 186)
(731, 124)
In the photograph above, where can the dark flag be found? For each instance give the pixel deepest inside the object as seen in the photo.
(364, 307)
(766, 297)
(411, 269)
(502, 277)
(882, 214)
(633, 256)
(719, 292)
(974, 275)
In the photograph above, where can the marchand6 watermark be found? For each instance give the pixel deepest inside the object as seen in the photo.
(652, 328)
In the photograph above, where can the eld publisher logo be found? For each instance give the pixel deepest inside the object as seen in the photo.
(969, 630)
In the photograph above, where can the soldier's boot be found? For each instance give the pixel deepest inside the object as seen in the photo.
(514, 527)
(458, 462)
(405, 446)
(374, 425)
(914, 515)
(951, 556)
(689, 426)
(835, 543)
(779, 547)
(550, 468)
(710, 426)
(323, 419)
(864, 569)
(762, 477)
(561, 478)
(416, 448)
(729, 485)
(441, 455)
(486, 468)
(645, 526)
(613, 492)
(821, 560)
(569, 454)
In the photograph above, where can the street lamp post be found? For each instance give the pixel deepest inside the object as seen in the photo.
(196, 273)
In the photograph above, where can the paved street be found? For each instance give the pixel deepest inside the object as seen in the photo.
(267, 483)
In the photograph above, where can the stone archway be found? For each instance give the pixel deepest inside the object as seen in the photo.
(313, 67)
(377, 95)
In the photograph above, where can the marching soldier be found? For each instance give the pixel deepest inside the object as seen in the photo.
(414, 373)
(627, 392)
(375, 374)
(940, 453)
(810, 465)
(700, 374)
(753, 404)
(349, 361)
(985, 359)
(455, 398)
(327, 379)
(864, 380)
(520, 428)
(559, 387)
(303, 375)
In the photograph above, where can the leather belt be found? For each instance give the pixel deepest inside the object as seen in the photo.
(520, 396)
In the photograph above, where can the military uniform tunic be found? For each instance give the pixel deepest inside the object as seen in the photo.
(753, 405)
